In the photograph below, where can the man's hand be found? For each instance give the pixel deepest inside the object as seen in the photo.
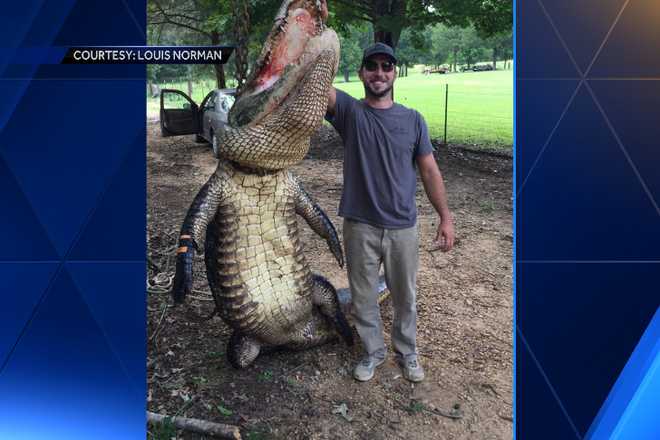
(444, 238)
(435, 190)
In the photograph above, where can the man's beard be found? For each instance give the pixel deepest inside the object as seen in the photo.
(371, 94)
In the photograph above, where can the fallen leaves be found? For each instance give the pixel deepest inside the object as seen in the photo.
(342, 410)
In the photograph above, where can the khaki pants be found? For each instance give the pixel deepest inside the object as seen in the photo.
(398, 250)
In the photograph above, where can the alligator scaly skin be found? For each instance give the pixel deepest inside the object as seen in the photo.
(246, 216)
(254, 257)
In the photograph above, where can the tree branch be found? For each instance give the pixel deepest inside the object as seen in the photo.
(358, 17)
(183, 25)
(197, 425)
(185, 17)
(167, 19)
(363, 7)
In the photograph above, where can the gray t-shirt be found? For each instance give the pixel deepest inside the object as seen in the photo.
(380, 147)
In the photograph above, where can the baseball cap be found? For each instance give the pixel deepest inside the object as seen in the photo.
(379, 49)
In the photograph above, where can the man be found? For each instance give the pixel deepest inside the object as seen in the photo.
(384, 142)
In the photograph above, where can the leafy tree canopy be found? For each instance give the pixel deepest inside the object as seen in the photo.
(390, 17)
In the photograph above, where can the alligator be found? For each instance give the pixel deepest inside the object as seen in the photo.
(246, 212)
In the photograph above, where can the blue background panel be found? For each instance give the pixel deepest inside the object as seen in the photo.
(630, 410)
(26, 286)
(587, 218)
(640, 421)
(577, 200)
(72, 184)
(593, 25)
(540, 53)
(78, 149)
(582, 362)
(63, 381)
(633, 47)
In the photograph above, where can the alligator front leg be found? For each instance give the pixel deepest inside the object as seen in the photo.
(199, 215)
(308, 209)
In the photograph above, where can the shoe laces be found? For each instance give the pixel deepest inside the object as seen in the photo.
(412, 363)
(367, 361)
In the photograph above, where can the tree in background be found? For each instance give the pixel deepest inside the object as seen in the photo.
(446, 43)
(198, 22)
(493, 16)
(351, 49)
(390, 17)
(431, 32)
(471, 46)
(241, 23)
(159, 73)
(501, 45)
(414, 47)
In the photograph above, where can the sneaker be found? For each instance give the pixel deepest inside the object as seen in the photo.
(365, 369)
(412, 370)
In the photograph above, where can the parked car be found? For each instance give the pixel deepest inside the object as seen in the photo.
(429, 70)
(482, 67)
(180, 115)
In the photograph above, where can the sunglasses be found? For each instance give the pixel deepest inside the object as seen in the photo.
(372, 66)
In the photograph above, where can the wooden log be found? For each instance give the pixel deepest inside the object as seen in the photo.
(199, 426)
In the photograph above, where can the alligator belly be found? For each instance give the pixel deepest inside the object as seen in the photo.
(255, 265)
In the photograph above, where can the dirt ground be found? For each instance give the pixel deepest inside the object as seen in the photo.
(464, 303)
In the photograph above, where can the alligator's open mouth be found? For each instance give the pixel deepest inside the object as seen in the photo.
(298, 36)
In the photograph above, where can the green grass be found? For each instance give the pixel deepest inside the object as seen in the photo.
(265, 376)
(479, 110)
(480, 104)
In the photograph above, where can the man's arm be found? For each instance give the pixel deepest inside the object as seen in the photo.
(332, 101)
(435, 190)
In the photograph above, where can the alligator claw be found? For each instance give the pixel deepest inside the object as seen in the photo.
(335, 248)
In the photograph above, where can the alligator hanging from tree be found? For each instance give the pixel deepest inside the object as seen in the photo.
(246, 213)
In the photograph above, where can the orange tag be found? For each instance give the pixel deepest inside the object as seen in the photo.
(182, 250)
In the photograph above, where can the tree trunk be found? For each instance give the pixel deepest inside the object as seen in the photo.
(386, 30)
(388, 37)
(220, 76)
(190, 88)
(455, 58)
(242, 32)
(219, 68)
(494, 58)
(347, 73)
